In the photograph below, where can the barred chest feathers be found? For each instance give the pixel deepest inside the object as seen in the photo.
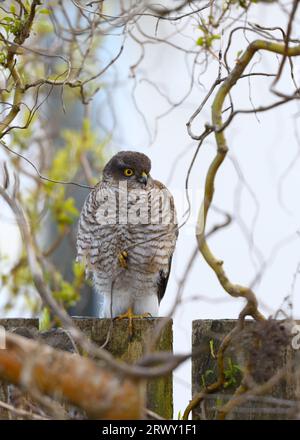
(126, 236)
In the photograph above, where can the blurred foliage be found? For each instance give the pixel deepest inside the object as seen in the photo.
(233, 374)
(28, 34)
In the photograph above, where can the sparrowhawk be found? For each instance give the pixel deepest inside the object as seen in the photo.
(126, 237)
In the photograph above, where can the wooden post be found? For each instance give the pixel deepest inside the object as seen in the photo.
(11, 324)
(159, 391)
(116, 338)
(265, 348)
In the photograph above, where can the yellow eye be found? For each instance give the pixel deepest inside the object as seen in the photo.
(128, 172)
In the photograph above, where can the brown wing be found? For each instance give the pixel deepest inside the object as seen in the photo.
(162, 281)
(163, 276)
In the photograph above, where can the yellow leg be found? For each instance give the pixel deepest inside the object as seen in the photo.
(122, 257)
(131, 316)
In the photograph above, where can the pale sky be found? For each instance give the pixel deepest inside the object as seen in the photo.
(263, 147)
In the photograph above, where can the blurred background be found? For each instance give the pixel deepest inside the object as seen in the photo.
(151, 74)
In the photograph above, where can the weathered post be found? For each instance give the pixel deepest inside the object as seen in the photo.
(11, 324)
(130, 349)
(263, 348)
(115, 336)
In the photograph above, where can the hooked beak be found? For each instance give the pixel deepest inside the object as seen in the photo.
(143, 178)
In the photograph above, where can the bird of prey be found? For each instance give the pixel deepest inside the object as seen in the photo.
(126, 237)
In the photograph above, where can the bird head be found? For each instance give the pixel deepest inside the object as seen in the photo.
(129, 166)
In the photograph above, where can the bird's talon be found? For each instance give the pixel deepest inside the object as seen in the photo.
(146, 315)
(131, 316)
(122, 257)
